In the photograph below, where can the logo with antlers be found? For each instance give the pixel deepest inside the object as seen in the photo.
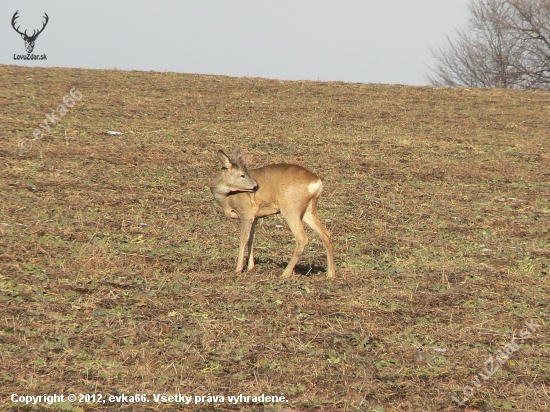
(29, 40)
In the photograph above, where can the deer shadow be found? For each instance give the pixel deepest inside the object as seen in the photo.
(307, 270)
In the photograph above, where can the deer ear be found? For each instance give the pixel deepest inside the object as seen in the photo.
(236, 158)
(23, 36)
(224, 160)
(236, 153)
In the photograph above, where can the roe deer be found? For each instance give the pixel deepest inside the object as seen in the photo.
(289, 189)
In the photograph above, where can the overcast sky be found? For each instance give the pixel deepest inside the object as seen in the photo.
(367, 41)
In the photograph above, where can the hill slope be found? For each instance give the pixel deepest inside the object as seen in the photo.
(116, 265)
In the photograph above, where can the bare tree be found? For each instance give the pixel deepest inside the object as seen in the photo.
(507, 44)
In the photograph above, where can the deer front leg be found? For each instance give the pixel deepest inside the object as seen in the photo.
(250, 247)
(246, 228)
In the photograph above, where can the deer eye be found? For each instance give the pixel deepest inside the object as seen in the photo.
(243, 175)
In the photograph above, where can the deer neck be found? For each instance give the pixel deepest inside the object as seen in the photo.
(220, 193)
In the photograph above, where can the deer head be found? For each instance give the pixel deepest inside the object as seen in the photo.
(233, 177)
(29, 40)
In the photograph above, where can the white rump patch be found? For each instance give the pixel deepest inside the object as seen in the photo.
(315, 187)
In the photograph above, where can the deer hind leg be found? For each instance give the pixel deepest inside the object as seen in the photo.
(294, 220)
(311, 219)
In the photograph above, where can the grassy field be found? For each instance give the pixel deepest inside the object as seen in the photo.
(116, 264)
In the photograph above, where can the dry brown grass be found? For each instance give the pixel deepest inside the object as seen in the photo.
(116, 263)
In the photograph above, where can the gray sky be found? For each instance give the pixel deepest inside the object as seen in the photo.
(368, 41)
